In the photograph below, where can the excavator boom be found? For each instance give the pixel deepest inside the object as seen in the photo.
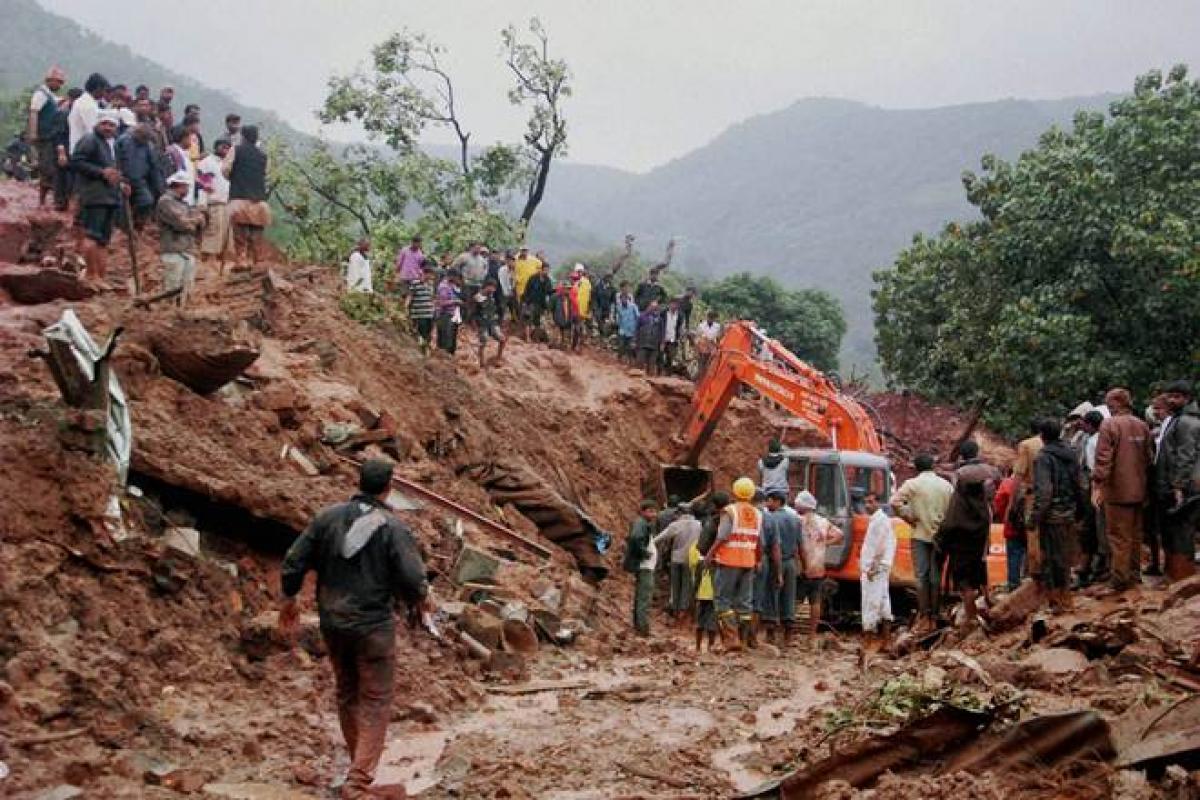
(747, 357)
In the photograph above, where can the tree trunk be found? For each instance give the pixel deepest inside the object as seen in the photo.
(969, 428)
(538, 188)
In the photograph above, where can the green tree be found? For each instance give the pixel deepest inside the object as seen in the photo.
(1083, 273)
(330, 199)
(809, 322)
(408, 88)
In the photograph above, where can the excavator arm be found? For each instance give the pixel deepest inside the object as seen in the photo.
(787, 380)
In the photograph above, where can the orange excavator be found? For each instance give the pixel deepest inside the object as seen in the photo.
(839, 476)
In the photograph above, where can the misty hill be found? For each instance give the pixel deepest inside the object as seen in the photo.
(32, 39)
(819, 194)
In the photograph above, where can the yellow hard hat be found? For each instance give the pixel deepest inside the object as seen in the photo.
(743, 489)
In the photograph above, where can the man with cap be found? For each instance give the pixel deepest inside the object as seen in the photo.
(178, 226)
(816, 533)
(1177, 478)
(524, 268)
(365, 560)
(736, 554)
(583, 295)
(43, 126)
(94, 162)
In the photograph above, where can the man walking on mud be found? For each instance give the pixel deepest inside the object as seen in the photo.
(365, 559)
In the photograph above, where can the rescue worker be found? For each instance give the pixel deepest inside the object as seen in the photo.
(365, 559)
(736, 555)
(817, 533)
(875, 562)
(773, 469)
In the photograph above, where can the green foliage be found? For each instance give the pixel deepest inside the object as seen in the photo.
(329, 200)
(1083, 273)
(14, 113)
(809, 322)
(905, 699)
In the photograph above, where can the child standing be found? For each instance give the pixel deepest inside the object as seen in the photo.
(487, 312)
(420, 306)
(706, 610)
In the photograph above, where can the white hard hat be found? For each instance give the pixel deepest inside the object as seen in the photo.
(178, 177)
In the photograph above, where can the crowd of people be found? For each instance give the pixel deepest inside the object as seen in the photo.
(497, 293)
(121, 158)
(1093, 502)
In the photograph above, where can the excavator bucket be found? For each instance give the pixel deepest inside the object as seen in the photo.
(687, 483)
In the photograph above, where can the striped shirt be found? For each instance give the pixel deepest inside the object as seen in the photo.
(421, 306)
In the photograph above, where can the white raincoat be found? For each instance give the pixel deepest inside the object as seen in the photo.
(875, 560)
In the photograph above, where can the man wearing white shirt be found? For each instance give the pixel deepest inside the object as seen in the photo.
(214, 195)
(358, 273)
(86, 110)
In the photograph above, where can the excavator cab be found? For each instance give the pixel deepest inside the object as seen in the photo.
(840, 479)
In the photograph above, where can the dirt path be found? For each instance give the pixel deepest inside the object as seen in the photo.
(663, 722)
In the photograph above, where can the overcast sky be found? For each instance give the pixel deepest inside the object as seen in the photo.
(656, 78)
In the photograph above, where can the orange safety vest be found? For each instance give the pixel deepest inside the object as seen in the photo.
(740, 549)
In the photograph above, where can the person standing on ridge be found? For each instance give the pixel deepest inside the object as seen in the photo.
(365, 560)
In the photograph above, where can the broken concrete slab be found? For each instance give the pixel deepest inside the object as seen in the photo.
(473, 566)
(1048, 739)
(1177, 747)
(183, 540)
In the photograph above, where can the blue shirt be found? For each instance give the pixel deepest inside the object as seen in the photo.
(787, 531)
(627, 317)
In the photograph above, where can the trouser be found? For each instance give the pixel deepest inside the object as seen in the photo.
(681, 587)
(1152, 532)
(926, 568)
(179, 272)
(646, 359)
(363, 667)
(1178, 538)
(1125, 540)
(1014, 553)
(734, 587)
(625, 347)
(447, 333)
(785, 595)
(1054, 540)
(643, 597)
(666, 357)
(47, 164)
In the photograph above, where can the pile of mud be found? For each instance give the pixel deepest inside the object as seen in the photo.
(141, 650)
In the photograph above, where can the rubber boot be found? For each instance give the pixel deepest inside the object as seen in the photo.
(752, 633)
(730, 639)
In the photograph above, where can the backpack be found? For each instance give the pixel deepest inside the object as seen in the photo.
(635, 549)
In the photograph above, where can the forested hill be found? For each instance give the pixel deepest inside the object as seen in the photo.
(32, 39)
(819, 194)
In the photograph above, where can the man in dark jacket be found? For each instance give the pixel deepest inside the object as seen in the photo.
(649, 337)
(1057, 505)
(246, 168)
(365, 559)
(94, 162)
(1176, 478)
(536, 300)
(650, 289)
(140, 167)
(1123, 454)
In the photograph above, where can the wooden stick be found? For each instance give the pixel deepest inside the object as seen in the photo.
(541, 686)
(131, 236)
(652, 775)
(144, 302)
(48, 738)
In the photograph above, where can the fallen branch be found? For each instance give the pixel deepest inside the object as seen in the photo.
(47, 738)
(144, 302)
(653, 775)
(540, 686)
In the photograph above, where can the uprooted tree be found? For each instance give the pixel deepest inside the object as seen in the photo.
(1083, 273)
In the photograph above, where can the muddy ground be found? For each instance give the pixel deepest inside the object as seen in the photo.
(135, 664)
